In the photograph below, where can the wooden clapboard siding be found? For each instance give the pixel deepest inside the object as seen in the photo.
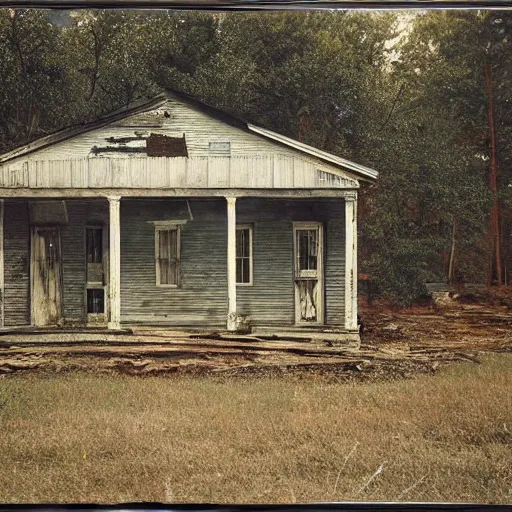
(17, 263)
(199, 128)
(335, 269)
(266, 171)
(73, 261)
(270, 300)
(201, 298)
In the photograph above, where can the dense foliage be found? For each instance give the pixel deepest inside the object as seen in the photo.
(423, 98)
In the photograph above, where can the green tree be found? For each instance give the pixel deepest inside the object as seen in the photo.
(34, 82)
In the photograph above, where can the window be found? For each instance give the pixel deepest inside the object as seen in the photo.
(244, 255)
(167, 251)
(308, 249)
(94, 254)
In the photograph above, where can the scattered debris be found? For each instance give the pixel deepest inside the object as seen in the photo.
(396, 345)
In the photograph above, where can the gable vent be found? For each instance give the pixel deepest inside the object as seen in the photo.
(220, 148)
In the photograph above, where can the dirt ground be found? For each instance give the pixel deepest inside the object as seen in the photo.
(395, 344)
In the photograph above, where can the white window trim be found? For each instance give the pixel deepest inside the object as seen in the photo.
(251, 263)
(169, 224)
(166, 226)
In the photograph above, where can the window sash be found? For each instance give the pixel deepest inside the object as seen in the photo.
(307, 249)
(308, 243)
(94, 245)
(167, 249)
(244, 256)
(94, 254)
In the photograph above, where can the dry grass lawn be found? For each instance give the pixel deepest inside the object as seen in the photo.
(111, 438)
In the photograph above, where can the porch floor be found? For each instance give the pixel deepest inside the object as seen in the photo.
(160, 351)
(137, 333)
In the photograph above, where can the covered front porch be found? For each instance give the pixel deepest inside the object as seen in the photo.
(279, 263)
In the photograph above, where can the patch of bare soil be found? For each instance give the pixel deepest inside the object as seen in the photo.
(395, 345)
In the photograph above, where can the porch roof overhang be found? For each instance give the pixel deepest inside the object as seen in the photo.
(85, 193)
(268, 172)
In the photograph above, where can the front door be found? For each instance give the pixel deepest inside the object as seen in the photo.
(46, 276)
(308, 275)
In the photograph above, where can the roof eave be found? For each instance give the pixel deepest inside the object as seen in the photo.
(72, 131)
(365, 173)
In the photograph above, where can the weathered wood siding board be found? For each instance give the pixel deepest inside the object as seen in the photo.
(219, 172)
(270, 301)
(83, 166)
(335, 269)
(197, 173)
(202, 296)
(264, 172)
(199, 129)
(73, 262)
(16, 264)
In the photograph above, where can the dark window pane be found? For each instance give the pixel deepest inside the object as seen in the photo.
(312, 246)
(247, 243)
(246, 278)
(243, 243)
(94, 255)
(94, 245)
(96, 301)
(239, 272)
(243, 255)
(307, 246)
(302, 245)
(239, 242)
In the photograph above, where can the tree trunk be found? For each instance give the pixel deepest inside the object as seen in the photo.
(304, 126)
(451, 265)
(493, 185)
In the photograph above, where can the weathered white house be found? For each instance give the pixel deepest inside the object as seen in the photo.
(172, 213)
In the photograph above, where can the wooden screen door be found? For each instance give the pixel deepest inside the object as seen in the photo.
(46, 276)
(309, 279)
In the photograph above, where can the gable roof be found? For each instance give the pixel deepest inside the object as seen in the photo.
(141, 106)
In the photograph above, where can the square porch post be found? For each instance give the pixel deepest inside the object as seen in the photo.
(351, 261)
(115, 262)
(231, 211)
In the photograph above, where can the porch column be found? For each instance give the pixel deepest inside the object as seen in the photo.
(2, 275)
(231, 322)
(115, 263)
(351, 261)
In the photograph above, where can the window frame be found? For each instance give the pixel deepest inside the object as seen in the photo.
(250, 228)
(101, 229)
(308, 273)
(167, 226)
